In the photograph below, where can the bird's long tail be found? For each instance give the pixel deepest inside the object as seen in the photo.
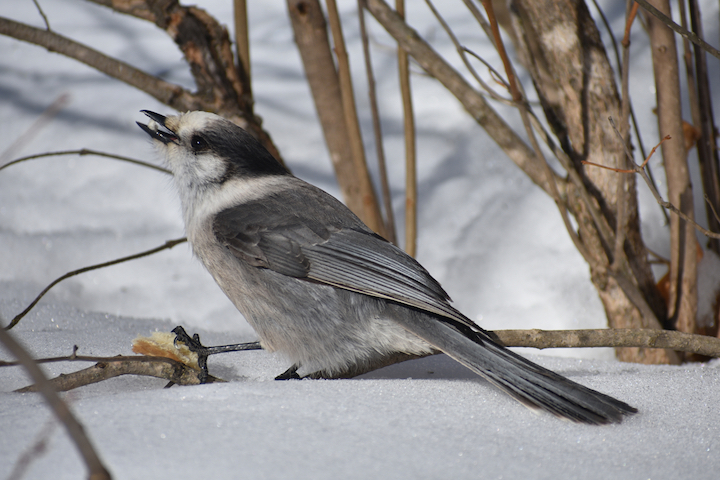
(527, 382)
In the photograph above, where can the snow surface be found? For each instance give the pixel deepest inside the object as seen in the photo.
(492, 239)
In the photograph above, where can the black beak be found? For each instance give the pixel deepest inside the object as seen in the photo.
(165, 136)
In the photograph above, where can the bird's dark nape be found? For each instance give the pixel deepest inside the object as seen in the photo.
(246, 156)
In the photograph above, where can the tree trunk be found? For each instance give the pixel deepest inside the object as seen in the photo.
(562, 50)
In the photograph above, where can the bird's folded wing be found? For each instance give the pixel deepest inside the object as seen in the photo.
(347, 256)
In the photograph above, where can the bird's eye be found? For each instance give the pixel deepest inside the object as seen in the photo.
(198, 143)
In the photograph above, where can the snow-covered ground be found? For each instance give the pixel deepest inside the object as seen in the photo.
(493, 240)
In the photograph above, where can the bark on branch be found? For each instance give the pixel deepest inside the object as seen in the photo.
(222, 86)
(613, 337)
(165, 368)
(165, 92)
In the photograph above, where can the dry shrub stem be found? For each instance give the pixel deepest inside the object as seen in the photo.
(97, 470)
(506, 138)
(242, 43)
(704, 120)
(682, 303)
(664, 18)
(83, 152)
(204, 42)
(603, 205)
(166, 246)
(410, 144)
(613, 337)
(111, 367)
(640, 170)
(311, 37)
(370, 212)
(390, 233)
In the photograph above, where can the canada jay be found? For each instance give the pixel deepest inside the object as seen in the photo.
(318, 286)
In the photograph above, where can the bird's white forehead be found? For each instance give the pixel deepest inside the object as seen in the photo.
(190, 122)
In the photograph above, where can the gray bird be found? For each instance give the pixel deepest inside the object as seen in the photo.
(322, 289)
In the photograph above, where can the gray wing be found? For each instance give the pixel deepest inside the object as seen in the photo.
(330, 246)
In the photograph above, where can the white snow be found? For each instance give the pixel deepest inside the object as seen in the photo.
(494, 241)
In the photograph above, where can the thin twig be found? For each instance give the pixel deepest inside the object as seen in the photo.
(640, 169)
(369, 204)
(712, 208)
(628, 24)
(636, 167)
(679, 30)
(167, 245)
(86, 151)
(410, 144)
(74, 357)
(481, 21)
(636, 128)
(621, 186)
(519, 98)
(623, 67)
(311, 37)
(427, 58)
(703, 119)
(512, 81)
(59, 407)
(377, 129)
(496, 77)
(42, 14)
(462, 52)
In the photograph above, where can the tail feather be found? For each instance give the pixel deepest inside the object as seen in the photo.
(527, 382)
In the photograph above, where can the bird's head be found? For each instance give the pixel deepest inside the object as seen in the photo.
(204, 149)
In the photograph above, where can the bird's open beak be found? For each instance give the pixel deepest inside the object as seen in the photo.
(157, 129)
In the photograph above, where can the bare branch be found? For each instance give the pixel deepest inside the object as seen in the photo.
(462, 51)
(523, 108)
(640, 169)
(377, 130)
(704, 120)
(111, 367)
(612, 337)
(678, 29)
(576, 107)
(168, 245)
(242, 42)
(410, 144)
(42, 14)
(311, 37)
(409, 40)
(165, 92)
(370, 209)
(86, 151)
(682, 303)
(97, 470)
